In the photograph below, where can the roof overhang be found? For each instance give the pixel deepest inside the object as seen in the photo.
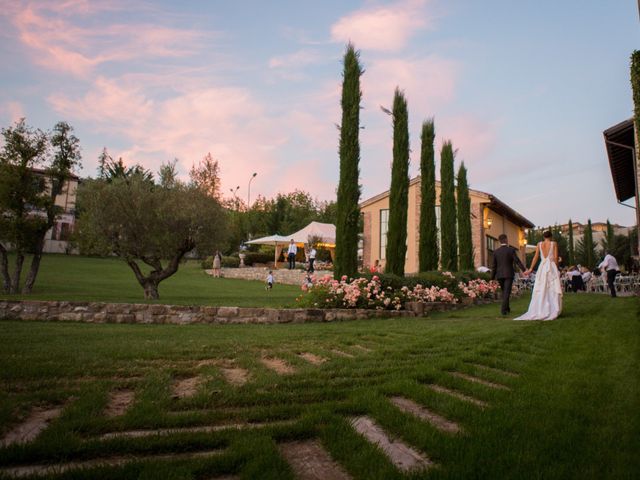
(620, 144)
(506, 211)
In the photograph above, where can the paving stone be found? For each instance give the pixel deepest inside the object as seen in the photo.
(480, 381)
(235, 376)
(311, 358)
(342, 354)
(496, 370)
(119, 403)
(309, 461)
(36, 422)
(186, 387)
(401, 455)
(278, 365)
(364, 349)
(441, 423)
(458, 395)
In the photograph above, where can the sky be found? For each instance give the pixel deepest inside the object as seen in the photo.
(523, 89)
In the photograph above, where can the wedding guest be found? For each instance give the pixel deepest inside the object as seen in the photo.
(312, 258)
(376, 267)
(610, 265)
(291, 254)
(586, 275)
(269, 281)
(217, 263)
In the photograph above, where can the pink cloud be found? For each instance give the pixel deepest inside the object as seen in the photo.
(12, 111)
(57, 42)
(384, 28)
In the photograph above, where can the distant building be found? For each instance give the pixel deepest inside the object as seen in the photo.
(599, 230)
(57, 238)
(490, 217)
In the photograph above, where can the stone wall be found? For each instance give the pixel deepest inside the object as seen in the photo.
(94, 312)
(281, 275)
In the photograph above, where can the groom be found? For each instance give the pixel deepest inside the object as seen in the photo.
(503, 260)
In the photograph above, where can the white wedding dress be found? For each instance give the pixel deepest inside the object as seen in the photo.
(546, 299)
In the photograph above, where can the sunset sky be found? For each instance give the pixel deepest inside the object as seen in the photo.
(523, 89)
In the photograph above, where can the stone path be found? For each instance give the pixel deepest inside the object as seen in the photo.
(309, 461)
(36, 422)
(340, 353)
(421, 412)
(495, 370)
(400, 454)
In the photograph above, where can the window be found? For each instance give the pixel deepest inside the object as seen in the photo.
(384, 225)
(492, 244)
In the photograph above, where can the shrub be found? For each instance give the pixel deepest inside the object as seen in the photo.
(230, 262)
(257, 257)
(207, 263)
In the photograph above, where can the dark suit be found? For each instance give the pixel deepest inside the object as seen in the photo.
(503, 269)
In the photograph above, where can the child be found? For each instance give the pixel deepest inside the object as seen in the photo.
(269, 281)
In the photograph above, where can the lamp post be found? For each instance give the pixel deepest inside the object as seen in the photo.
(249, 190)
(235, 197)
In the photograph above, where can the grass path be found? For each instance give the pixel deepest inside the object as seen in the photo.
(557, 399)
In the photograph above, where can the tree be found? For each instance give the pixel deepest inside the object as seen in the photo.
(347, 211)
(561, 242)
(608, 242)
(428, 251)
(570, 247)
(30, 180)
(586, 248)
(206, 176)
(464, 221)
(399, 192)
(449, 256)
(145, 223)
(118, 170)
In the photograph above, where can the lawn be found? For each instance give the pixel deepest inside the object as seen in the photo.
(560, 400)
(71, 277)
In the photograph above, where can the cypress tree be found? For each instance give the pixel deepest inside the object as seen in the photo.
(572, 252)
(589, 247)
(428, 251)
(399, 191)
(449, 258)
(465, 248)
(610, 239)
(347, 211)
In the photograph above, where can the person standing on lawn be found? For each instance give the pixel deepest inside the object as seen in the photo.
(291, 254)
(312, 258)
(610, 265)
(503, 270)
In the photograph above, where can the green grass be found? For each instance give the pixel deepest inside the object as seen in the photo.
(70, 277)
(572, 413)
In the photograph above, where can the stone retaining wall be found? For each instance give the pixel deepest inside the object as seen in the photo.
(281, 275)
(94, 312)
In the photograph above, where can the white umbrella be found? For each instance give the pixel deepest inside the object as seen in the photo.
(274, 240)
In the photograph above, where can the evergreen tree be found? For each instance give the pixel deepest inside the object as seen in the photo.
(347, 211)
(428, 254)
(609, 241)
(464, 221)
(448, 237)
(571, 249)
(399, 192)
(588, 248)
(561, 241)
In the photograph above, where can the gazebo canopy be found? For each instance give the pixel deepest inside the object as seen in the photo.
(273, 240)
(324, 233)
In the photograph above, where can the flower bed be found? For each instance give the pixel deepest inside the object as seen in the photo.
(326, 292)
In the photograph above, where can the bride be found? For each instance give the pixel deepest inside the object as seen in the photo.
(546, 299)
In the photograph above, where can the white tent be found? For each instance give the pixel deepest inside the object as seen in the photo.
(274, 240)
(324, 233)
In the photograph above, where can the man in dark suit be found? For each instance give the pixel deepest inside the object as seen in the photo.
(503, 269)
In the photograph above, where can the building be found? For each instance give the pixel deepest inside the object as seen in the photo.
(56, 240)
(624, 163)
(598, 229)
(490, 217)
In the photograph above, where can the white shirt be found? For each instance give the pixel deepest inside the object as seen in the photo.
(269, 278)
(293, 248)
(312, 253)
(609, 263)
(586, 276)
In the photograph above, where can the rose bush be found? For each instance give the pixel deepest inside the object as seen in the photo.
(371, 293)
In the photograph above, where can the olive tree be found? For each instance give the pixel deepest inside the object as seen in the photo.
(151, 227)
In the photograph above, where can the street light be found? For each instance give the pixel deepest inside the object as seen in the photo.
(235, 197)
(249, 190)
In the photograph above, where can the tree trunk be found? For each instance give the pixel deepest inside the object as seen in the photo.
(15, 281)
(4, 267)
(35, 266)
(151, 290)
